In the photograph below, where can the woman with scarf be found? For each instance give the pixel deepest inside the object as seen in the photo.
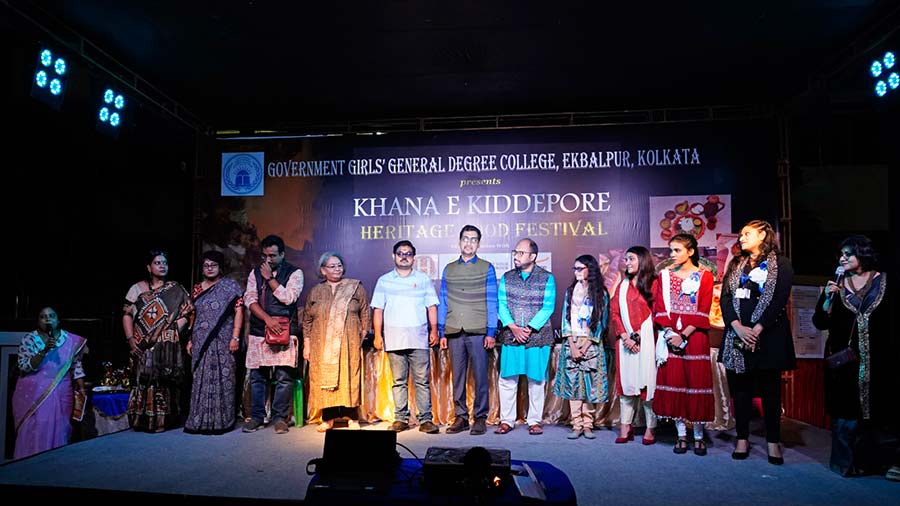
(581, 374)
(50, 374)
(758, 343)
(335, 321)
(156, 312)
(861, 380)
(631, 321)
(682, 297)
(215, 336)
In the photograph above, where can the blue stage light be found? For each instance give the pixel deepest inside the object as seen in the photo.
(104, 114)
(114, 119)
(889, 60)
(40, 78)
(894, 80)
(55, 86)
(51, 73)
(120, 102)
(880, 88)
(108, 96)
(876, 68)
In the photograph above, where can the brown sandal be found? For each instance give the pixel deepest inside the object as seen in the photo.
(503, 428)
(535, 430)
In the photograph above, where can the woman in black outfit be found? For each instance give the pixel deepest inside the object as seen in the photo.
(861, 363)
(758, 343)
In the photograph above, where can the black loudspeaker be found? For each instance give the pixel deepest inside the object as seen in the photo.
(355, 461)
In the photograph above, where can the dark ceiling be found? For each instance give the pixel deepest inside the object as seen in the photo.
(256, 63)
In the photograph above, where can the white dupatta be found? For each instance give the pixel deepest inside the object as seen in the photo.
(662, 346)
(636, 370)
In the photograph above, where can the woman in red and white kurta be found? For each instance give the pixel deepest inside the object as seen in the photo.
(682, 297)
(631, 321)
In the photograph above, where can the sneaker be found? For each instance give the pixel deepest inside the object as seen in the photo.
(399, 426)
(281, 427)
(428, 427)
(459, 424)
(252, 426)
(479, 427)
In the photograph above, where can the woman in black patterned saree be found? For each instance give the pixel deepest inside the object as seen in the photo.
(156, 312)
(860, 364)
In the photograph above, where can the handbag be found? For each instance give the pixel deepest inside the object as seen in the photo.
(845, 356)
(841, 358)
(283, 338)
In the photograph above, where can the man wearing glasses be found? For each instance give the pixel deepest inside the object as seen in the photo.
(467, 322)
(272, 292)
(405, 324)
(526, 298)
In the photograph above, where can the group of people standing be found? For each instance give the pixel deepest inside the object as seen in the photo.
(656, 321)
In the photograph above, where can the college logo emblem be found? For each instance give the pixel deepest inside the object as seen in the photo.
(242, 174)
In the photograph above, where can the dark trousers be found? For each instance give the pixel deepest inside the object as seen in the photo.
(284, 389)
(462, 348)
(766, 382)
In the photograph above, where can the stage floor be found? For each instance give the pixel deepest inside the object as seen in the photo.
(265, 465)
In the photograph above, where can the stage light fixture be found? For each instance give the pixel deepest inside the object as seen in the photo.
(49, 83)
(879, 70)
(111, 113)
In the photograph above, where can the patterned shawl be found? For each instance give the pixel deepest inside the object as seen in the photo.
(731, 356)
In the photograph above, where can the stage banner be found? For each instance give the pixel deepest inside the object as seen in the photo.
(574, 191)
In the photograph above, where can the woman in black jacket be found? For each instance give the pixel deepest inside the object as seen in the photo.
(758, 343)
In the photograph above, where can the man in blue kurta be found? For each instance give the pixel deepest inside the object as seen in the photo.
(526, 298)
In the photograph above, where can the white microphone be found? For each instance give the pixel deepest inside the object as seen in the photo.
(838, 276)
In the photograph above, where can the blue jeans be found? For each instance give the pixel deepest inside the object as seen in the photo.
(419, 363)
(462, 348)
(284, 388)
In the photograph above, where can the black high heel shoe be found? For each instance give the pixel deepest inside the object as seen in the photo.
(736, 455)
(775, 461)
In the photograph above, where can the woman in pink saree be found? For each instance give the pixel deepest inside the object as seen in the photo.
(50, 372)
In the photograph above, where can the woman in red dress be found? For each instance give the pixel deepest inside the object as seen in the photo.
(682, 296)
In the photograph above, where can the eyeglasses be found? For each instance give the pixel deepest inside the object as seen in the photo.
(405, 254)
(469, 240)
(210, 265)
(335, 266)
(578, 269)
(845, 254)
(520, 253)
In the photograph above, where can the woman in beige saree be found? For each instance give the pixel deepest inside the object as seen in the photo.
(335, 321)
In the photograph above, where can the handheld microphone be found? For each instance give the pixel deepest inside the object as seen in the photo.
(838, 276)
